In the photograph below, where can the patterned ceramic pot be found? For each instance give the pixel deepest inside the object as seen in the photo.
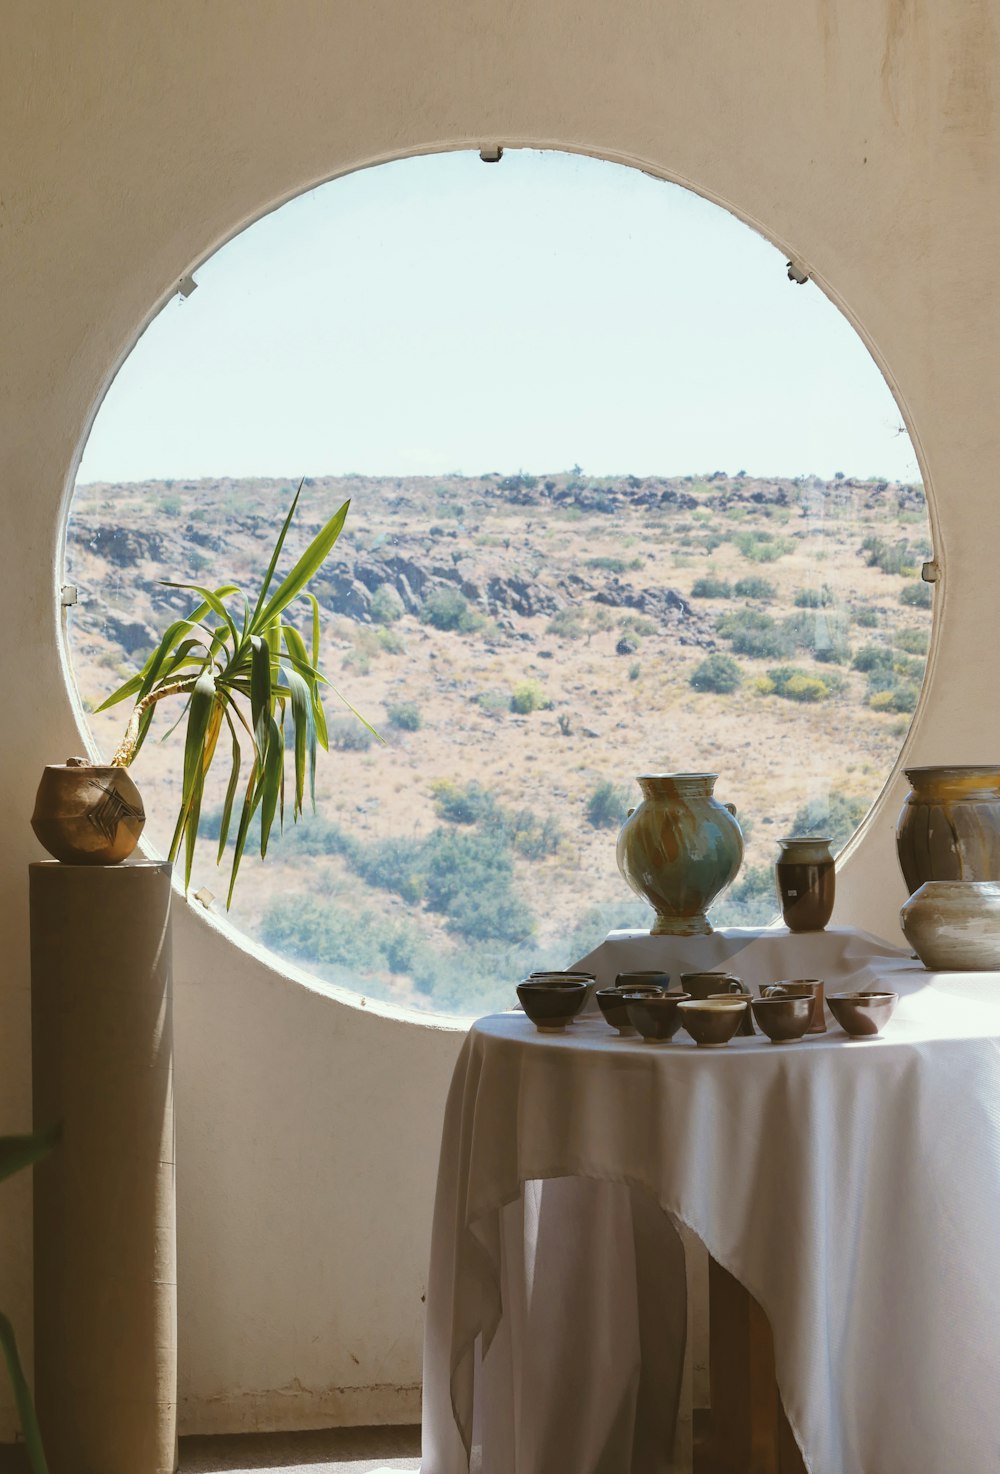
(679, 849)
(949, 826)
(86, 815)
(954, 925)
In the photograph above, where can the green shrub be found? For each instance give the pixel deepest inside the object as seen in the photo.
(751, 632)
(913, 641)
(634, 671)
(533, 837)
(718, 673)
(898, 557)
(872, 657)
(710, 587)
(814, 598)
(568, 623)
(386, 605)
(493, 702)
(762, 547)
(405, 715)
(607, 805)
(902, 696)
(447, 609)
(751, 901)
(838, 815)
(634, 624)
(614, 565)
(917, 595)
(867, 618)
(759, 589)
(798, 685)
(527, 697)
(466, 803)
(347, 734)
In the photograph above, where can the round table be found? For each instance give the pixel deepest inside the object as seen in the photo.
(853, 1188)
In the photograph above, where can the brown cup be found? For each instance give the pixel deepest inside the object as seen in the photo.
(783, 1017)
(712, 1022)
(862, 1015)
(648, 978)
(801, 988)
(654, 1015)
(712, 984)
(613, 1006)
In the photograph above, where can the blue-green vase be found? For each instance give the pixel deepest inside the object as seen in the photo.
(679, 849)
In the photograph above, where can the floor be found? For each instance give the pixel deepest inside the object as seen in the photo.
(335, 1451)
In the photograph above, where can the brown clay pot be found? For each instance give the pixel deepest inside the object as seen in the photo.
(86, 814)
(806, 880)
(949, 826)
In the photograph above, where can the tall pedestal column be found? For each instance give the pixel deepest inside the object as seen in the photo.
(104, 1223)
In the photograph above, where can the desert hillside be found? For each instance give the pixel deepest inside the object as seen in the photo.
(525, 645)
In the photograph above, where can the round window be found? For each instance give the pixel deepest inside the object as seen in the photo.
(624, 498)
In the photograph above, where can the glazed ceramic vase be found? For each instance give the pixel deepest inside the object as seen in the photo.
(679, 849)
(87, 815)
(806, 881)
(949, 826)
(954, 925)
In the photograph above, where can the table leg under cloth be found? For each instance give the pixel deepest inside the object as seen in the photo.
(584, 1371)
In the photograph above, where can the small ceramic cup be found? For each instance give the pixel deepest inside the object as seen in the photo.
(783, 1017)
(862, 1015)
(801, 988)
(651, 978)
(712, 1022)
(613, 1006)
(556, 976)
(714, 984)
(551, 1005)
(654, 1015)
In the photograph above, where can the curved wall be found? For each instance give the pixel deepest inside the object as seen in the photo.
(133, 139)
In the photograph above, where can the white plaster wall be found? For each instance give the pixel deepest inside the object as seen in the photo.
(861, 135)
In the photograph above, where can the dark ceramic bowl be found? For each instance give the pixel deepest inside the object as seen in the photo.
(651, 978)
(712, 1022)
(613, 1007)
(784, 1017)
(862, 1015)
(555, 976)
(552, 1004)
(654, 1015)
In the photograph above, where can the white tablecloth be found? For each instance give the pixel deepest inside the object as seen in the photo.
(852, 1186)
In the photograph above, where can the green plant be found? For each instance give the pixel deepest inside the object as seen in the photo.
(237, 661)
(405, 715)
(386, 605)
(710, 587)
(814, 598)
(447, 609)
(567, 623)
(913, 641)
(754, 633)
(837, 815)
(634, 671)
(872, 657)
(526, 697)
(718, 673)
(17, 1152)
(867, 617)
(761, 590)
(797, 685)
(606, 805)
(917, 595)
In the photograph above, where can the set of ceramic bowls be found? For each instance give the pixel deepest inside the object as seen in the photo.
(641, 1004)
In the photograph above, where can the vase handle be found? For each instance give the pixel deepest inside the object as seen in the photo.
(732, 809)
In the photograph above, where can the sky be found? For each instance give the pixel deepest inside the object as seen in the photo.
(439, 314)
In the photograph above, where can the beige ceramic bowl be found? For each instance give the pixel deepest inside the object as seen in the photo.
(712, 1022)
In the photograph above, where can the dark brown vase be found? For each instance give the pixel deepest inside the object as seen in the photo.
(87, 815)
(949, 826)
(806, 878)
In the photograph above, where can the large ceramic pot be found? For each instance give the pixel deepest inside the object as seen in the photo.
(954, 925)
(679, 849)
(949, 826)
(87, 815)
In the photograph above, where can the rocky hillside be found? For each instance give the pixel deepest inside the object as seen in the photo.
(525, 645)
